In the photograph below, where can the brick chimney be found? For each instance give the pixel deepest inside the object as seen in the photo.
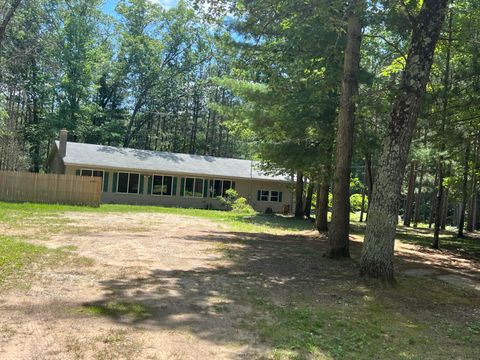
(62, 149)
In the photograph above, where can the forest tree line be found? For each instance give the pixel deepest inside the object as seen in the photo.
(308, 87)
(141, 78)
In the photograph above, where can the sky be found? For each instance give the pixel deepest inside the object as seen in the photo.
(109, 5)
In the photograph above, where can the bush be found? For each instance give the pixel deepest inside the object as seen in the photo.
(356, 202)
(235, 203)
(241, 205)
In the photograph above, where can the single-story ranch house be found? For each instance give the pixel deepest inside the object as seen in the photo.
(131, 176)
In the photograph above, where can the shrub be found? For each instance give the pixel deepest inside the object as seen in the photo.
(235, 203)
(356, 202)
(241, 205)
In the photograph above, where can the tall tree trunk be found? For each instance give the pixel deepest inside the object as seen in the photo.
(463, 204)
(308, 199)
(410, 194)
(441, 188)
(362, 209)
(438, 205)
(377, 253)
(368, 180)
(472, 207)
(431, 217)
(322, 206)
(339, 228)
(443, 222)
(299, 210)
(418, 201)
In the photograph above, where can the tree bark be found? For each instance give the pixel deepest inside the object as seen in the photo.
(322, 207)
(308, 199)
(362, 209)
(299, 210)
(432, 215)
(463, 204)
(378, 246)
(410, 194)
(338, 235)
(472, 204)
(443, 222)
(438, 206)
(418, 201)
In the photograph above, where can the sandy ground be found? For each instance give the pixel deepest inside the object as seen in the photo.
(157, 261)
(170, 287)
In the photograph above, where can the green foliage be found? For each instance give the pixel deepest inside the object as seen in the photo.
(235, 203)
(356, 202)
(241, 206)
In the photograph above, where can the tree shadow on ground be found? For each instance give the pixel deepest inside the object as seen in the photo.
(219, 300)
(214, 300)
(279, 222)
(468, 247)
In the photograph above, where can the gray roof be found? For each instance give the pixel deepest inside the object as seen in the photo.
(101, 156)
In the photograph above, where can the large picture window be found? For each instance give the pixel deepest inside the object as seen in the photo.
(221, 186)
(194, 187)
(162, 185)
(128, 183)
(269, 195)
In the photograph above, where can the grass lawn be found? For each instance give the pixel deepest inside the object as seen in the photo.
(297, 304)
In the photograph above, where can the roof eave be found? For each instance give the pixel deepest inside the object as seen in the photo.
(170, 172)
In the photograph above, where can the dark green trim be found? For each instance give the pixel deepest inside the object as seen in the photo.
(258, 195)
(77, 172)
(149, 186)
(233, 185)
(205, 188)
(142, 184)
(182, 186)
(114, 182)
(280, 196)
(105, 181)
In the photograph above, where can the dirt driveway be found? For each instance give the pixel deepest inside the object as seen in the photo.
(156, 289)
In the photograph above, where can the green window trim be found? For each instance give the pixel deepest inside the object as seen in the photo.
(205, 187)
(142, 180)
(114, 182)
(77, 172)
(259, 194)
(105, 181)
(150, 184)
(182, 186)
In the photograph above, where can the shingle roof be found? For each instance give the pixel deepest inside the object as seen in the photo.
(102, 156)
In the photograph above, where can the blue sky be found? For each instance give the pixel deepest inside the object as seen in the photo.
(109, 5)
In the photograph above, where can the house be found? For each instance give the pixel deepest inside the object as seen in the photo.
(131, 176)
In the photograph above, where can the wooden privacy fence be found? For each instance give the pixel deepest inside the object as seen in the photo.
(50, 188)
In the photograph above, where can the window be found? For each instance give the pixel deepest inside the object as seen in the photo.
(92, 173)
(269, 195)
(162, 185)
(194, 187)
(274, 196)
(133, 183)
(198, 188)
(264, 195)
(221, 186)
(128, 183)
